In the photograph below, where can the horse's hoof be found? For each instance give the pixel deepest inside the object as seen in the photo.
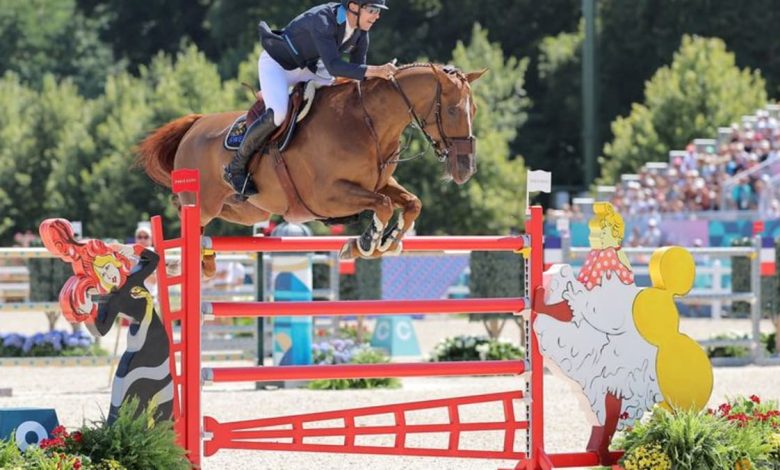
(390, 240)
(349, 250)
(395, 249)
(209, 266)
(366, 252)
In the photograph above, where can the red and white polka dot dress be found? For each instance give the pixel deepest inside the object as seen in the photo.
(600, 262)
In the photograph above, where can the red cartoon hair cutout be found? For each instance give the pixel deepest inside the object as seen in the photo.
(96, 266)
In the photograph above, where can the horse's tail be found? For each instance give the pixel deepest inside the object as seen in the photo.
(157, 151)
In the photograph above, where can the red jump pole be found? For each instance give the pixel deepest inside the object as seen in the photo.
(309, 244)
(361, 371)
(363, 307)
(188, 181)
(536, 452)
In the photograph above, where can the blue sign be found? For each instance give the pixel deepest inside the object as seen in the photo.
(27, 426)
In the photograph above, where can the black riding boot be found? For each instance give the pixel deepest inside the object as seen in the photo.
(254, 139)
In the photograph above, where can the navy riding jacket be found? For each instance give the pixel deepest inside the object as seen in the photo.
(317, 34)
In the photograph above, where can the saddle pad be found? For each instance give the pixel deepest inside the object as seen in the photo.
(300, 102)
(235, 134)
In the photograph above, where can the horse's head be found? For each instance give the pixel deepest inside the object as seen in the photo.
(449, 123)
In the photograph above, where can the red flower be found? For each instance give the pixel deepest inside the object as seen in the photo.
(755, 399)
(55, 442)
(624, 415)
(741, 418)
(724, 409)
(76, 436)
(58, 431)
(77, 464)
(45, 443)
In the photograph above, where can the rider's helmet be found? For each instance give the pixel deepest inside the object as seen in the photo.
(375, 3)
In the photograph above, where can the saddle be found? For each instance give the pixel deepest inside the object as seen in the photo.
(301, 99)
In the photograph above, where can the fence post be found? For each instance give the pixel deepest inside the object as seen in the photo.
(756, 307)
(716, 307)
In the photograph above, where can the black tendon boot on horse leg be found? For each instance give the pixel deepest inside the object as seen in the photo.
(256, 136)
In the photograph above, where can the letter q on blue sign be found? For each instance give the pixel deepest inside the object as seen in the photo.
(27, 426)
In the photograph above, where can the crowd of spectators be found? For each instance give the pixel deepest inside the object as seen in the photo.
(739, 171)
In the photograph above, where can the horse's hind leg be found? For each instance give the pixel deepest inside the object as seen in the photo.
(209, 208)
(351, 198)
(411, 207)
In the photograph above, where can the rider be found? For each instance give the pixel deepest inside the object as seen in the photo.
(309, 48)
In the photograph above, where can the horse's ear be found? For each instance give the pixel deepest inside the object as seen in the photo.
(473, 76)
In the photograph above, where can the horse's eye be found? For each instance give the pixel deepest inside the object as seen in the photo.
(452, 111)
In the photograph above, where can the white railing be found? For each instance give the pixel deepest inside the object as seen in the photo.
(716, 296)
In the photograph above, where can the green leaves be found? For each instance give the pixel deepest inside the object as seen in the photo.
(700, 90)
(65, 155)
(52, 37)
(134, 440)
(700, 440)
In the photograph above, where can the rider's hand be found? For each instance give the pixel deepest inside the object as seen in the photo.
(382, 71)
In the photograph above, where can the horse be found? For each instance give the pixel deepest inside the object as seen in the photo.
(341, 159)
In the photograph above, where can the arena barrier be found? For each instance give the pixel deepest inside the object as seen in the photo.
(715, 296)
(202, 435)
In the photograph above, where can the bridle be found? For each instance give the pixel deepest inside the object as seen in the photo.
(449, 145)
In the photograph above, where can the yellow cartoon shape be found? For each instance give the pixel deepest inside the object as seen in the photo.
(683, 368)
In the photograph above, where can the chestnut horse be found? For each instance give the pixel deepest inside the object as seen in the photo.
(341, 159)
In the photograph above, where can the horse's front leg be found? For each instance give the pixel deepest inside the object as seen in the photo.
(352, 198)
(392, 238)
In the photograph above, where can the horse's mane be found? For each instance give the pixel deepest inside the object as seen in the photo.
(448, 69)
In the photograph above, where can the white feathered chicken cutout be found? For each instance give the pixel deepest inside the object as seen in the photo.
(586, 331)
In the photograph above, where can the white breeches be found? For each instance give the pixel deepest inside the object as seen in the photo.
(275, 83)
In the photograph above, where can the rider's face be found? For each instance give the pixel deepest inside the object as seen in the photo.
(369, 15)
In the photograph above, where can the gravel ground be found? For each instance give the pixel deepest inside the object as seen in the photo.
(82, 393)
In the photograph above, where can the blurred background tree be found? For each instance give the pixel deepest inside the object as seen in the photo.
(701, 89)
(82, 81)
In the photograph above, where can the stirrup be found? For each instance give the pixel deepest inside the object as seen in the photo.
(243, 189)
(247, 188)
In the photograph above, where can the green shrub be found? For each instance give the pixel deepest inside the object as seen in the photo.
(729, 351)
(495, 274)
(9, 454)
(769, 342)
(742, 433)
(54, 457)
(361, 356)
(352, 331)
(35, 458)
(137, 443)
(475, 348)
(130, 443)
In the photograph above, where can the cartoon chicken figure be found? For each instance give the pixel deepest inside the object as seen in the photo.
(588, 333)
